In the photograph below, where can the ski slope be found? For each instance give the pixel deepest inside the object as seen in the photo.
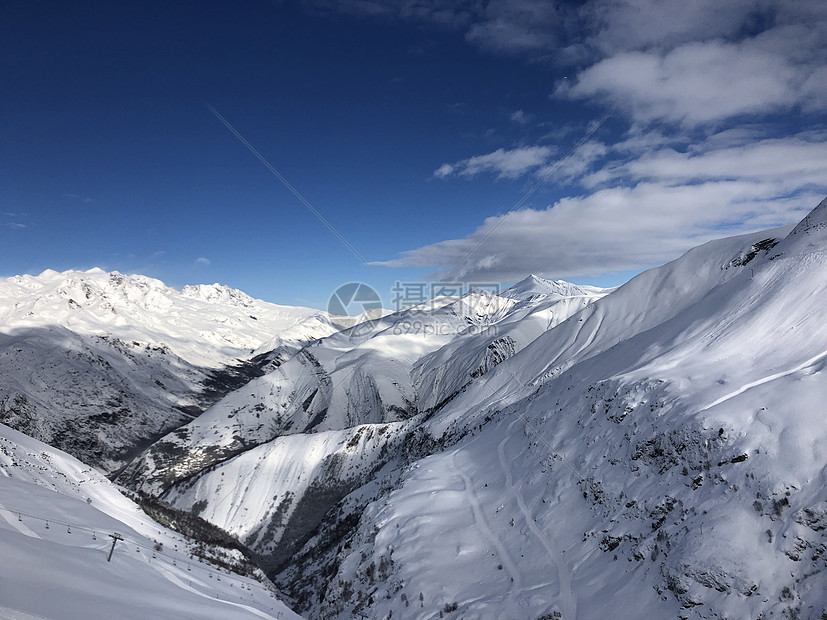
(56, 515)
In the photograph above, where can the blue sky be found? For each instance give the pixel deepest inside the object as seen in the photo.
(414, 127)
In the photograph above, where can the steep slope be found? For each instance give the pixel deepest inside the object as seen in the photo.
(541, 305)
(659, 451)
(329, 419)
(662, 453)
(56, 515)
(101, 364)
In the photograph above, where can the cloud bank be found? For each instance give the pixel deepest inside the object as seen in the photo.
(643, 211)
(725, 131)
(724, 108)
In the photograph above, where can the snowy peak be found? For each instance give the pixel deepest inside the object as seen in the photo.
(815, 220)
(100, 364)
(534, 287)
(809, 235)
(218, 293)
(207, 325)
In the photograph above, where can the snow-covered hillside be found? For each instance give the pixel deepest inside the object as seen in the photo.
(662, 453)
(654, 451)
(56, 515)
(325, 421)
(658, 451)
(100, 364)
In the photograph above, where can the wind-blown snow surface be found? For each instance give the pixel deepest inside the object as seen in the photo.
(55, 518)
(658, 451)
(101, 363)
(270, 459)
(661, 452)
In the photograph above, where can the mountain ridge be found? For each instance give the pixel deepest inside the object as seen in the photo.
(499, 454)
(102, 364)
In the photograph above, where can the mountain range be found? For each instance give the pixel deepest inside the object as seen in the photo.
(551, 450)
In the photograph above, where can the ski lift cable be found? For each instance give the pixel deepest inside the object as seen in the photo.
(126, 539)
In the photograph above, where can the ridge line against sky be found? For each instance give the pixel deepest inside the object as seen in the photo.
(412, 126)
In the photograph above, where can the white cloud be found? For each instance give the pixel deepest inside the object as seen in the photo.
(518, 162)
(791, 163)
(12, 220)
(703, 61)
(505, 164)
(518, 27)
(686, 61)
(695, 83)
(443, 171)
(645, 210)
(202, 261)
(625, 25)
(690, 62)
(520, 117)
(611, 230)
(577, 163)
(710, 89)
(813, 93)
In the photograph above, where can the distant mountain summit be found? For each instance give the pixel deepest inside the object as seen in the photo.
(533, 286)
(100, 364)
(206, 325)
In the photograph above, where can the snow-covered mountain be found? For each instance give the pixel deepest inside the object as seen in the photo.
(100, 364)
(208, 326)
(657, 451)
(553, 451)
(56, 517)
(534, 286)
(309, 423)
(662, 453)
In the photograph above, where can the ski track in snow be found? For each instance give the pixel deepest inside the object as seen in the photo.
(170, 576)
(482, 525)
(12, 614)
(593, 335)
(779, 375)
(567, 600)
(167, 573)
